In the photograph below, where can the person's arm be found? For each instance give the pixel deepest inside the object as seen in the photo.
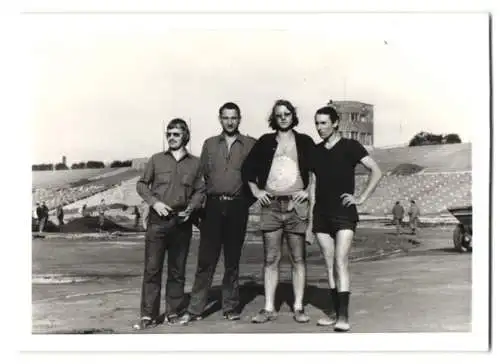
(249, 172)
(198, 195)
(144, 190)
(375, 176)
(312, 202)
(144, 183)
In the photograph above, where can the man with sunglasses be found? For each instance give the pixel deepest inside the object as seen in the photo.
(278, 172)
(225, 216)
(173, 187)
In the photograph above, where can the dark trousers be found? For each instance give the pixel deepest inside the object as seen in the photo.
(161, 237)
(224, 225)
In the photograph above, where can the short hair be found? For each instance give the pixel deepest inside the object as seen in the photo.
(412, 201)
(273, 124)
(230, 106)
(330, 111)
(181, 124)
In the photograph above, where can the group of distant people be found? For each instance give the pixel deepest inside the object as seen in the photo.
(398, 213)
(42, 215)
(305, 191)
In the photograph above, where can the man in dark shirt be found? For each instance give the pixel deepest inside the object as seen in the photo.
(60, 215)
(101, 210)
(173, 187)
(278, 172)
(39, 214)
(44, 216)
(334, 213)
(225, 217)
(398, 212)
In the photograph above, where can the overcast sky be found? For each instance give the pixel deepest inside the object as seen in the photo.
(103, 85)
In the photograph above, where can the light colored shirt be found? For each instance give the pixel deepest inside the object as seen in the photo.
(284, 177)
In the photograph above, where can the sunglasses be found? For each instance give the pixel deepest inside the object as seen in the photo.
(171, 134)
(284, 115)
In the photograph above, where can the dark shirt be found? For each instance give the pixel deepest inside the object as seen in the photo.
(222, 167)
(179, 184)
(258, 163)
(45, 211)
(334, 170)
(39, 212)
(398, 211)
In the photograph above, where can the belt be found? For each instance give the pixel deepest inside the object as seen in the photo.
(223, 197)
(282, 198)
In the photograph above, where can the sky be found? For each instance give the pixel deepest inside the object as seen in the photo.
(102, 86)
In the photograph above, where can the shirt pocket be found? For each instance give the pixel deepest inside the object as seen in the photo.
(187, 180)
(164, 178)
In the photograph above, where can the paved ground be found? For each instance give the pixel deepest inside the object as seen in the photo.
(426, 289)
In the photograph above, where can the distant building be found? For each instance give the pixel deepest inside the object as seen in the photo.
(356, 120)
(64, 159)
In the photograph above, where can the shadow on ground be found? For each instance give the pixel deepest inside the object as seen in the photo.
(249, 291)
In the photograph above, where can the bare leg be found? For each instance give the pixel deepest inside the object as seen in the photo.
(296, 245)
(272, 252)
(327, 246)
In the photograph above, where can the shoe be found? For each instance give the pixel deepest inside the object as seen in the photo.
(144, 323)
(231, 316)
(342, 326)
(171, 318)
(300, 316)
(327, 321)
(264, 316)
(186, 319)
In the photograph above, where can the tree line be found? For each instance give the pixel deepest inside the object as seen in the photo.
(79, 165)
(425, 138)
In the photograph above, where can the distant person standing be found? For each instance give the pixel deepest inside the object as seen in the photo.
(173, 187)
(60, 215)
(44, 216)
(398, 212)
(137, 215)
(413, 215)
(84, 211)
(39, 214)
(101, 210)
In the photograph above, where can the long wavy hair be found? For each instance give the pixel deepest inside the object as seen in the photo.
(273, 123)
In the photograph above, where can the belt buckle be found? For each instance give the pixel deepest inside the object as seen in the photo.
(225, 198)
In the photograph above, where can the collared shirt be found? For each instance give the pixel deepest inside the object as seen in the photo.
(179, 184)
(222, 166)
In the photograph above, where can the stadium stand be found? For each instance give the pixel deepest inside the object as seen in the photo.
(78, 186)
(436, 177)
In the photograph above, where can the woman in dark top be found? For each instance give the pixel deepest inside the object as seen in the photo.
(335, 215)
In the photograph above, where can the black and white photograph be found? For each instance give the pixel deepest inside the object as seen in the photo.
(311, 177)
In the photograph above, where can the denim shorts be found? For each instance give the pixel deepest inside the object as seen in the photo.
(332, 224)
(284, 214)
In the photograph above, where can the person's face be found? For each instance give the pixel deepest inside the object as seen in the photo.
(324, 125)
(230, 121)
(283, 117)
(174, 138)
